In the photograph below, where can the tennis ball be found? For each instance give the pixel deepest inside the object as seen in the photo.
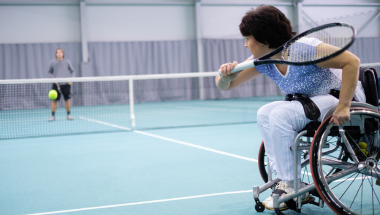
(53, 94)
(363, 147)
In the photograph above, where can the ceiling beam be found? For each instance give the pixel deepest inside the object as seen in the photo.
(297, 15)
(179, 3)
(198, 28)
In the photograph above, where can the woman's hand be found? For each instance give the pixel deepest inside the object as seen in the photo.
(341, 115)
(225, 70)
(227, 81)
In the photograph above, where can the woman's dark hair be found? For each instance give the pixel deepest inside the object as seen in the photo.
(268, 25)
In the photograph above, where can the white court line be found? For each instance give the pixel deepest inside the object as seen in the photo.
(105, 123)
(141, 203)
(169, 139)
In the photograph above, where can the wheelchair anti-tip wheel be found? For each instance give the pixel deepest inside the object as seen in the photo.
(345, 163)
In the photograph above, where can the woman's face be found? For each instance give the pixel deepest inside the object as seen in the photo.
(256, 48)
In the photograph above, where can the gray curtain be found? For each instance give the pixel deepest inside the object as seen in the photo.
(24, 61)
(19, 61)
(368, 50)
(136, 58)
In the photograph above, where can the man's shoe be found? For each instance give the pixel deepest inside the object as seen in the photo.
(52, 118)
(69, 117)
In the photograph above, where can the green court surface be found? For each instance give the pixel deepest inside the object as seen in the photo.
(196, 170)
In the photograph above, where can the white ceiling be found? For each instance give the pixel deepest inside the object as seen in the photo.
(188, 2)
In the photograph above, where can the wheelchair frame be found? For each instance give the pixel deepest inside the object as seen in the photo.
(299, 145)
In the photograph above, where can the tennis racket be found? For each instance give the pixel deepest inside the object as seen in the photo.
(334, 38)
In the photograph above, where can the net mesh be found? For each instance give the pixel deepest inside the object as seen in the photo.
(102, 105)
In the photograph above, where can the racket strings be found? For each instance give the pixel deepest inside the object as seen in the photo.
(325, 42)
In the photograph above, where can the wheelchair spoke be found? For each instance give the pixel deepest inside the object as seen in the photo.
(341, 174)
(376, 173)
(373, 205)
(361, 199)
(375, 153)
(371, 183)
(348, 145)
(337, 163)
(307, 173)
(352, 181)
(335, 157)
(357, 193)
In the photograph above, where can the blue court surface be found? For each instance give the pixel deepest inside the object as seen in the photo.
(193, 170)
(33, 122)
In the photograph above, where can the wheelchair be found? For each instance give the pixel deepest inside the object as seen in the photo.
(339, 164)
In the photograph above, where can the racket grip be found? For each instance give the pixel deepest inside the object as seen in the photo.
(241, 66)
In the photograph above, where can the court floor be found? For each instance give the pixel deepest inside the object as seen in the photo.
(194, 170)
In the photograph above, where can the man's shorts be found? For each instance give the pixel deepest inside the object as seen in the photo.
(65, 90)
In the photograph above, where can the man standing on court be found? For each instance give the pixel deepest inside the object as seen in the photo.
(61, 68)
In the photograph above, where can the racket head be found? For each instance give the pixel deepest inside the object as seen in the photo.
(328, 41)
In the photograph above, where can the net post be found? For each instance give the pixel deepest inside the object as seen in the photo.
(131, 103)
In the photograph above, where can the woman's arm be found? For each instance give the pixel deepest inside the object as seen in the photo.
(230, 81)
(349, 64)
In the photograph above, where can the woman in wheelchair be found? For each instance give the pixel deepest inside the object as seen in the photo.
(265, 29)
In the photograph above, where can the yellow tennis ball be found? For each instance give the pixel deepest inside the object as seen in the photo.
(53, 94)
(363, 147)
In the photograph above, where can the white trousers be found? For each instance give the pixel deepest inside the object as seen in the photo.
(279, 123)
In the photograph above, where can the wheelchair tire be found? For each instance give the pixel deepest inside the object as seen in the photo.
(348, 187)
(261, 162)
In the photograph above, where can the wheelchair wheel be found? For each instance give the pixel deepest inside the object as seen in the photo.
(345, 163)
(263, 165)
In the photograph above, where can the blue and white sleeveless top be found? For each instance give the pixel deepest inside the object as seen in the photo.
(308, 80)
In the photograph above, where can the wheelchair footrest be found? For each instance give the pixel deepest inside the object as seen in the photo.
(294, 207)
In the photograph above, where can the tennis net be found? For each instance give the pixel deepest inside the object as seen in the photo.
(122, 103)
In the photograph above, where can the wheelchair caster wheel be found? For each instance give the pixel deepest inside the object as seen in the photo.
(259, 207)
